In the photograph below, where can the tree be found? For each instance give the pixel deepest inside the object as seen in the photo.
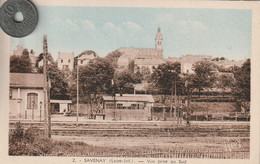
(124, 82)
(166, 75)
(204, 75)
(95, 77)
(59, 87)
(112, 58)
(241, 90)
(21, 64)
(131, 66)
(225, 82)
(146, 73)
(48, 58)
(138, 76)
(189, 86)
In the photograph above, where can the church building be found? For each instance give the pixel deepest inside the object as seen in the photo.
(142, 55)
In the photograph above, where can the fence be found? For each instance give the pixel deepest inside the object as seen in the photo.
(176, 154)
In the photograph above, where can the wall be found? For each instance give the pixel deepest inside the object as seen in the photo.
(63, 107)
(128, 114)
(84, 109)
(18, 108)
(66, 62)
(121, 114)
(186, 67)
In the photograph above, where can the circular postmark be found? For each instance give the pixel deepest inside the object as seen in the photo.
(18, 17)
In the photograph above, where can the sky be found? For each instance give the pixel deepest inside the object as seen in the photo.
(214, 32)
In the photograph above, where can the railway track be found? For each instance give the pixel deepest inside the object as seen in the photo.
(119, 129)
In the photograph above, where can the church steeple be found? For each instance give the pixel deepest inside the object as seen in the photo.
(158, 42)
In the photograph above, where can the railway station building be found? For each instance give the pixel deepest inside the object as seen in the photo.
(128, 107)
(26, 96)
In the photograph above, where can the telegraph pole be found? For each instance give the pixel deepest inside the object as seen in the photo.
(45, 84)
(77, 92)
(175, 101)
(47, 89)
(49, 107)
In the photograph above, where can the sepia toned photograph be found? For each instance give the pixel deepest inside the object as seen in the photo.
(132, 82)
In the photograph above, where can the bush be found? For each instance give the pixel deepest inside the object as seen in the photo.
(30, 142)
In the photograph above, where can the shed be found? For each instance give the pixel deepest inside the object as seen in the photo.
(60, 106)
(128, 107)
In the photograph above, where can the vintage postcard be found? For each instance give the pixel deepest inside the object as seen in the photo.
(160, 82)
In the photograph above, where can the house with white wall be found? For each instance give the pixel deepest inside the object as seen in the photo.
(26, 96)
(65, 61)
(85, 57)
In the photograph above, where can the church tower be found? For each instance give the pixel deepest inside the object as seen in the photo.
(158, 43)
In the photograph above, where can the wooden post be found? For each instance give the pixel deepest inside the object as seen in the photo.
(45, 84)
(171, 103)
(115, 107)
(49, 109)
(47, 87)
(175, 101)
(188, 111)
(77, 92)
(178, 111)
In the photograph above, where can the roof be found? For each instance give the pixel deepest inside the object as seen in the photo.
(149, 61)
(87, 53)
(26, 80)
(130, 97)
(159, 34)
(133, 53)
(61, 101)
(66, 56)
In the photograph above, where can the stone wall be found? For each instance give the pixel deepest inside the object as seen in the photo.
(119, 114)
(128, 114)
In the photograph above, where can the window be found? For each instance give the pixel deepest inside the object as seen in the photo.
(65, 67)
(81, 61)
(61, 61)
(69, 61)
(134, 106)
(119, 106)
(32, 101)
(109, 105)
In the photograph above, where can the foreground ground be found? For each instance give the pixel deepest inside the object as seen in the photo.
(103, 138)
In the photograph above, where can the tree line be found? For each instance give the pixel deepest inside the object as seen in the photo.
(100, 76)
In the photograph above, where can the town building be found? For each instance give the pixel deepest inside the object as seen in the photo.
(128, 107)
(150, 63)
(85, 57)
(65, 61)
(187, 61)
(131, 54)
(26, 96)
(225, 63)
(60, 106)
(40, 63)
(18, 51)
